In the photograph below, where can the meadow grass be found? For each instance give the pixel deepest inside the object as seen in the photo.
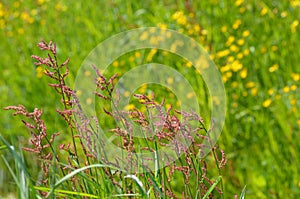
(254, 43)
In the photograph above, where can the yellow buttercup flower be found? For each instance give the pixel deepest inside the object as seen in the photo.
(293, 87)
(294, 26)
(246, 51)
(246, 33)
(250, 84)
(234, 84)
(273, 68)
(271, 91)
(224, 29)
(240, 55)
(254, 91)
(238, 2)
(264, 11)
(129, 107)
(236, 66)
(240, 42)
(126, 94)
(230, 40)
(170, 80)
(286, 89)
(237, 24)
(267, 103)
(233, 48)
(223, 53)
(244, 73)
(293, 101)
(115, 63)
(295, 77)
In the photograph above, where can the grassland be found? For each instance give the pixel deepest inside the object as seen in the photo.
(255, 44)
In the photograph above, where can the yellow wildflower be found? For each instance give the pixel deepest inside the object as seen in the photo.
(254, 91)
(180, 18)
(87, 73)
(294, 26)
(236, 66)
(151, 54)
(233, 48)
(234, 84)
(263, 49)
(230, 59)
(242, 9)
(20, 31)
(188, 64)
(78, 93)
(190, 95)
(293, 101)
(295, 3)
(284, 14)
(250, 84)
(293, 87)
(144, 36)
(244, 73)
(273, 68)
(224, 79)
(137, 54)
(240, 42)
(162, 26)
(143, 88)
(267, 103)
(196, 28)
(224, 29)
(286, 89)
(295, 77)
(230, 40)
(264, 11)
(246, 33)
(115, 63)
(131, 58)
(41, 2)
(270, 91)
(246, 51)
(274, 48)
(170, 80)
(236, 24)
(126, 94)
(234, 105)
(238, 2)
(39, 71)
(225, 68)
(61, 7)
(240, 55)
(168, 106)
(129, 107)
(223, 53)
(89, 101)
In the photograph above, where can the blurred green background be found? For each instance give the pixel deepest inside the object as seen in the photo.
(255, 44)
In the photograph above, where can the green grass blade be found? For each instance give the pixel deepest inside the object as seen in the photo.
(16, 157)
(212, 187)
(70, 175)
(155, 185)
(139, 183)
(65, 192)
(3, 147)
(243, 192)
